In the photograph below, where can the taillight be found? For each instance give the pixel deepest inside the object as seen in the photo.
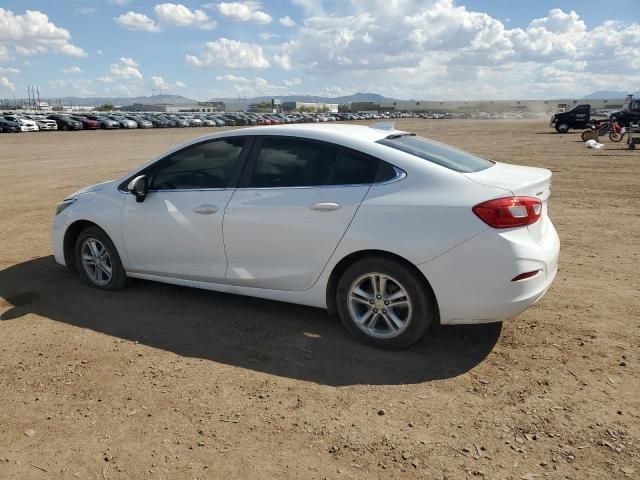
(509, 212)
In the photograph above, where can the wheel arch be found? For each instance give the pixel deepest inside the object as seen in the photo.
(353, 257)
(70, 237)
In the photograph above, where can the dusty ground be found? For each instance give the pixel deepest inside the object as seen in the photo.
(166, 382)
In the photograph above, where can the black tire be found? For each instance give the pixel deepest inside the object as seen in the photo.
(65, 127)
(118, 278)
(632, 146)
(616, 137)
(562, 128)
(423, 306)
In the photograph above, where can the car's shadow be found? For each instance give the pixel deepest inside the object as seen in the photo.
(277, 338)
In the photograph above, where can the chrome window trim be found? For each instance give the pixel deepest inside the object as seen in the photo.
(400, 175)
(184, 190)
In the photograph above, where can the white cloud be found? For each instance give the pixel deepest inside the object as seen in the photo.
(32, 33)
(11, 70)
(283, 58)
(231, 78)
(5, 84)
(137, 21)
(244, 86)
(247, 11)
(293, 82)
(177, 15)
(287, 21)
(71, 70)
(333, 91)
(74, 86)
(124, 70)
(119, 3)
(159, 83)
(180, 84)
(229, 54)
(87, 10)
(437, 48)
(4, 54)
(99, 52)
(310, 7)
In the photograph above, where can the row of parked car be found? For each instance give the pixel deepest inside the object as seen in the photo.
(31, 122)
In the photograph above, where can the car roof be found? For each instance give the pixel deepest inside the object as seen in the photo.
(343, 134)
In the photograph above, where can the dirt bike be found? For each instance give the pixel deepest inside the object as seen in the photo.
(616, 132)
(602, 127)
(595, 130)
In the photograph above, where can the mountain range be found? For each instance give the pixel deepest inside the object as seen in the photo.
(96, 101)
(356, 97)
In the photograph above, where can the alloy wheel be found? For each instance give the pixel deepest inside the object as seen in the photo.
(380, 305)
(96, 261)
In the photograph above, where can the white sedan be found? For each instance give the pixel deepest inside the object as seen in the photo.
(26, 124)
(390, 230)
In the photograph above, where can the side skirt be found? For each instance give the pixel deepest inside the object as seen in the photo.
(314, 297)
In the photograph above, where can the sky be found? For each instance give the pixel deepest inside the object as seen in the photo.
(407, 49)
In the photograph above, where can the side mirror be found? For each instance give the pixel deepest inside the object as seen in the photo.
(139, 188)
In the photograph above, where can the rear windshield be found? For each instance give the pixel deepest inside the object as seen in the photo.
(439, 153)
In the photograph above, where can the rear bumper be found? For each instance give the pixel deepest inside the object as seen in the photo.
(473, 282)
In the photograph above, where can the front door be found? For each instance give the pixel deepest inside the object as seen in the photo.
(177, 230)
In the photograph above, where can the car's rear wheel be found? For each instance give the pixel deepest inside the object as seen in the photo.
(384, 304)
(97, 260)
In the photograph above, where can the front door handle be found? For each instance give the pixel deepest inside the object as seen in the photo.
(206, 209)
(325, 206)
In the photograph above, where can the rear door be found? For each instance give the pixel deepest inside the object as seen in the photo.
(293, 206)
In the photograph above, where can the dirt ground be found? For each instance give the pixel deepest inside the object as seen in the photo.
(165, 382)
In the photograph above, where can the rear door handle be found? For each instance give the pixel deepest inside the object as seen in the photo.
(325, 206)
(205, 209)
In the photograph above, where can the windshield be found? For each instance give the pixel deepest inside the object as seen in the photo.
(438, 153)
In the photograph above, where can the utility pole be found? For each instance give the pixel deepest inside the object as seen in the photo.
(38, 87)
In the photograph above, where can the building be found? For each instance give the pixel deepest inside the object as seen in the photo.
(488, 106)
(211, 107)
(203, 107)
(310, 107)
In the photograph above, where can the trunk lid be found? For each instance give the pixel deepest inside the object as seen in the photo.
(520, 181)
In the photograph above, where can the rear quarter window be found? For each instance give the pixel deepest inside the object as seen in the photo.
(437, 153)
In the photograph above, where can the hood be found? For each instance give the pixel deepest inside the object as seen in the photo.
(91, 188)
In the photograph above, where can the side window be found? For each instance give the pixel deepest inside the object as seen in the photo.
(385, 172)
(206, 165)
(352, 168)
(290, 162)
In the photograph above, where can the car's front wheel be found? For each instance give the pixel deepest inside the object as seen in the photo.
(384, 304)
(97, 260)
